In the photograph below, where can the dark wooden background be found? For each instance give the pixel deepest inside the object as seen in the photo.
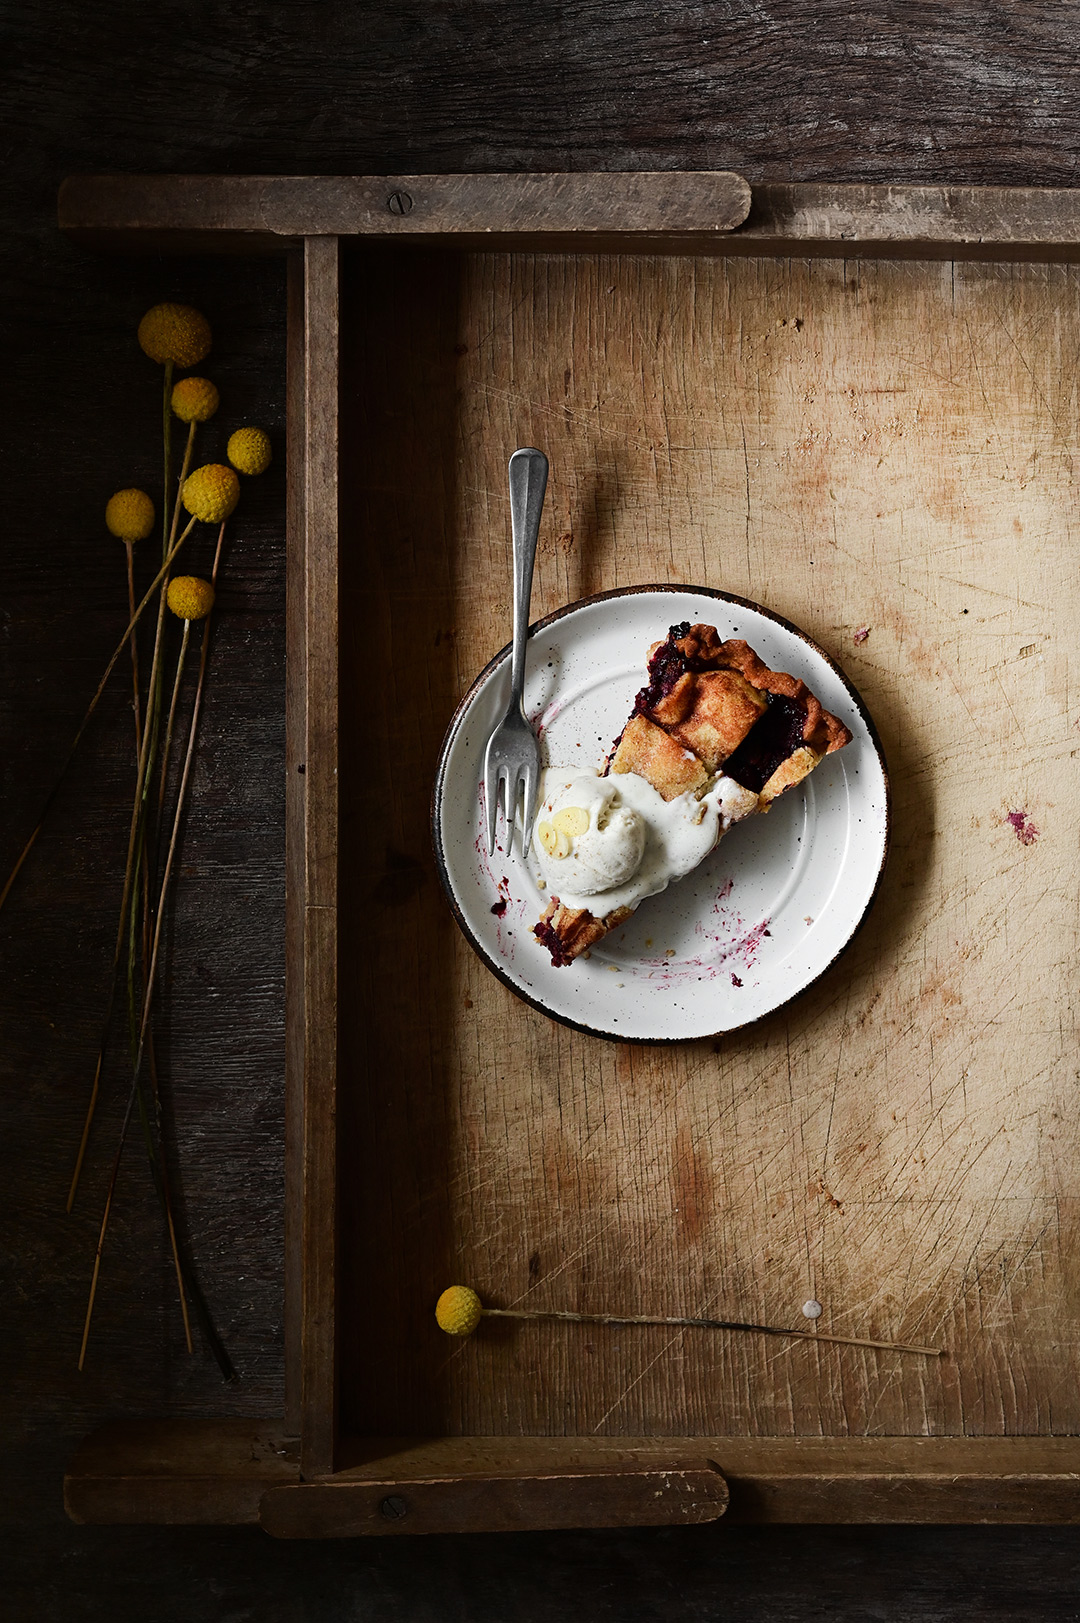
(979, 91)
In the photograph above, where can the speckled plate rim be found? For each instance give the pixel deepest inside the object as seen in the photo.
(438, 787)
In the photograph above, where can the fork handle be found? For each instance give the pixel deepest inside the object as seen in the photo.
(528, 482)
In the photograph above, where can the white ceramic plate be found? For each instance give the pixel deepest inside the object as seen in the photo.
(747, 930)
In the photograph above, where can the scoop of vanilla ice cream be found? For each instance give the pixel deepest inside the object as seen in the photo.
(587, 841)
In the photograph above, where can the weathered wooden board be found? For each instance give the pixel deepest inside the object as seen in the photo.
(252, 212)
(192, 1472)
(240, 1471)
(876, 448)
(704, 211)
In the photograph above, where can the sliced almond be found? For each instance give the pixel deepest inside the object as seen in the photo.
(562, 845)
(571, 820)
(547, 837)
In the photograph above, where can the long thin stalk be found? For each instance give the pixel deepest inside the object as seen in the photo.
(101, 1232)
(193, 727)
(171, 548)
(709, 1324)
(137, 709)
(157, 1163)
(134, 646)
(158, 1166)
(133, 851)
(166, 430)
(121, 645)
(172, 714)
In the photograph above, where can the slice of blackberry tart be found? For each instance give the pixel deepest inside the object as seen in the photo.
(715, 737)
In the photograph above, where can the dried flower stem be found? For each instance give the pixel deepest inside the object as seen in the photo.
(134, 645)
(172, 714)
(166, 430)
(709, 1324)
(156, 1163)
(133, 853)
(137, 708)
(193, 727)
(101, 1232)
(28, 847)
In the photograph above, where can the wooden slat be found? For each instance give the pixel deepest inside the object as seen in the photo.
(318, 1196)
(192, 1471)
(482, 1502)
(770, 1479)
(912, 222)
(260, 211)
(295, 801)
(667, 212)
(178, 1471)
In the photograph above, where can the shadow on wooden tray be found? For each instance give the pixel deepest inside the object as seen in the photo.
(398, 688)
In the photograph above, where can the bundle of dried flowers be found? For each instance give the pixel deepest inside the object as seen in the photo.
(175, 336)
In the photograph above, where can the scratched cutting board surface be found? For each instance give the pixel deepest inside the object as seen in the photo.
(882, 453)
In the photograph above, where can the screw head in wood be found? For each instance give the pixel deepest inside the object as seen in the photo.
(393, 1507)
(399, 202)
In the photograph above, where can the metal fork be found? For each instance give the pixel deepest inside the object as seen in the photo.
(512, 759)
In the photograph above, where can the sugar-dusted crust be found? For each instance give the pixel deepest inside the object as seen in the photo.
(709, 707)
(789, 773)
(672, 768)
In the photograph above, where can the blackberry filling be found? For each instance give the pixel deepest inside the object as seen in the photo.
(548, 938)
(768, 744)
(665, 667)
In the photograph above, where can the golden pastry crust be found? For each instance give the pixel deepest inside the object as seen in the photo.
(701, 651)
(710, 706)
(725, 707)
(789, 773)
(654, 755)
(567, 932)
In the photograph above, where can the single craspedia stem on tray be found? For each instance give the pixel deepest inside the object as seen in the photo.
(129, 515)
(175, 332)
(211, 492)
(195, 400)
(458, 1310)
(190, 598)
(249, 450)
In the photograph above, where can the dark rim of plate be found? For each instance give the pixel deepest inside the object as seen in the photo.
(669, 589)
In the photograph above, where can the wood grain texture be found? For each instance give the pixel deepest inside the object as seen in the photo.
(771, 1479)
(878, 446)
(137, 212)
(183, 1473)
(660, 213)
(295, 830)
(318, 969)
(502, 1502)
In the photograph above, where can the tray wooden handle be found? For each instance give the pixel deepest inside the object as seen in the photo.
(493, 1502)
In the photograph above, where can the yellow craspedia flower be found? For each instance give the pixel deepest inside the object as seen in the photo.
(458, 1311)
(175, 332)
(129, 515)
(249, 450)
(189, 597)
(211, 492)
(195, 400)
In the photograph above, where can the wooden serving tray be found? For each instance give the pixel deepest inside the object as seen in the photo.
(857, 406)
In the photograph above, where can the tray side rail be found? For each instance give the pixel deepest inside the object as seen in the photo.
(711, 212)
